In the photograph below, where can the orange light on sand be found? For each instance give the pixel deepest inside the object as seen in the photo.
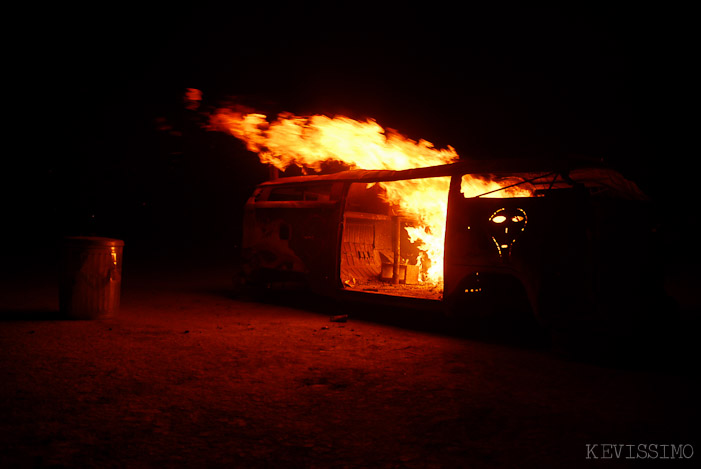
(307, 142)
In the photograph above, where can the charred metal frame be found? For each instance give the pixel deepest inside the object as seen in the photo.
(561, 263)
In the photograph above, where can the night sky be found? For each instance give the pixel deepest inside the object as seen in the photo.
(108, 147)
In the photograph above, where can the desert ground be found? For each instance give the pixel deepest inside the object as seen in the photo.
(190, 373)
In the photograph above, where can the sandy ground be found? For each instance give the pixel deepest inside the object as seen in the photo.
(188, 376)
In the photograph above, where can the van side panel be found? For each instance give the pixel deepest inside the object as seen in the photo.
(492, 242)
(292, 241)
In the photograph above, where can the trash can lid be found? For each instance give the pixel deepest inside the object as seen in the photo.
(93, 241)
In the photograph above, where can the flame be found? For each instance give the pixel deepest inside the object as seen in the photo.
(310, 141)
(472, 186)
(425, 200)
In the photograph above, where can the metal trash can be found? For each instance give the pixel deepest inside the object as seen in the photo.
(91, 277)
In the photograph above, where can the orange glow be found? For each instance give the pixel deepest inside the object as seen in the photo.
(425, 200)
(475, 187)
(309, 141)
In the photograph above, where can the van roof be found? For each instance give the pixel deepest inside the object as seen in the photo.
(587, 172)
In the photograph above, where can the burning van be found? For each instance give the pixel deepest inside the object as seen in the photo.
(569, 241)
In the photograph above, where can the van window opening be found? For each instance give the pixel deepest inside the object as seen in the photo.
(298, 193)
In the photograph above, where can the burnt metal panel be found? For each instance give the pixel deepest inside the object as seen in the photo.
(582, 239)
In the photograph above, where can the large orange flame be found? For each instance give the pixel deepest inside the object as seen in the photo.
(309, 141)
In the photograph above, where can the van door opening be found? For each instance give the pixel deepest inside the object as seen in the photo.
(385, 248)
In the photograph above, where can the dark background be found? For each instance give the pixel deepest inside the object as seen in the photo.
(107, 146)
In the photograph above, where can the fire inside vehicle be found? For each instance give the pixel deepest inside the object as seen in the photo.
(420, 227)
(567, 241)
